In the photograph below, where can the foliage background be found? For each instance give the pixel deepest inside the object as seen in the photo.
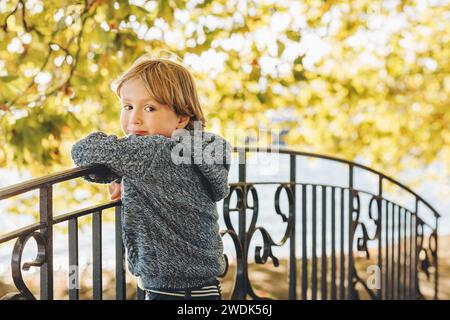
(364, 80)
(361, 80)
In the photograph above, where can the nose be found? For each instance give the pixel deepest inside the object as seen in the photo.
(135, 117)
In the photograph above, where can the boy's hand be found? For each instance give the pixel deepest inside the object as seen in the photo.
(115, 190)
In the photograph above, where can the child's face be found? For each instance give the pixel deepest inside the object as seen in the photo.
(142, 115)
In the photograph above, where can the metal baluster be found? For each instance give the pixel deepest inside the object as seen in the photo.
(242, 220)
(380, 233)
(392, 251)
(436, 266)
(415, 251)
(342, 260)
(292, 255)
(304, 246)
(74, 283)
(333, 245)
(323, 285)
(120, 258)
(410, 293)
(399, 250)
(404, 254)
(387, 291)
(97, 255)
(46, 217)
(314, 257)
(350, 236)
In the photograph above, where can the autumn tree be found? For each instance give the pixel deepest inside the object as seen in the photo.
(355, 79)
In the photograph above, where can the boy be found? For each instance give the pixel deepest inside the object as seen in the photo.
(173, 173)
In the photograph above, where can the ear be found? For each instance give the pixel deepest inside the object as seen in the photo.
(183, 122)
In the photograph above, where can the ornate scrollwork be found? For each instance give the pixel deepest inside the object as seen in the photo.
(16, 262)
(262, 253)
(432, 247)
(364, 238)
(239, 205)
(267, 239)
(238, 291)
(422, 262)
(359, 236)
(427, 255)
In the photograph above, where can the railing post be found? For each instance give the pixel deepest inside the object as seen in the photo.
(411, 251)
(120, 257)
(350, 235)
(380, 232)
(97, 278)
(392, 294)
(333, 244)
(314, 245)
(399, 252)
(323, 258)
(46, 217)
(342, 253)
(304, 246)
(387, 252)
(436, 265)
(74, 283)
(292, 255)
(242, 219)
(416, 276)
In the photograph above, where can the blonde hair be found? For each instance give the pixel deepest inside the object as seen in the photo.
(169, 83)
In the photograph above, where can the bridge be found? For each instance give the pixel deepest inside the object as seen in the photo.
(398, 243)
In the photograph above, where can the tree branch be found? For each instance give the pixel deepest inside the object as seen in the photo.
(5, 25)
(84, 17)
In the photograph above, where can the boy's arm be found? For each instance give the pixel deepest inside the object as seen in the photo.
(129, 156)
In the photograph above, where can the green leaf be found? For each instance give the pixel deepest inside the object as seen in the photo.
(8, 78)
(299, 75)
(299, 60)
(281, 47)
(293, 35)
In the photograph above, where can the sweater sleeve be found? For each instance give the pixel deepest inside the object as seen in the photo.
(131, 156)
(106, 176)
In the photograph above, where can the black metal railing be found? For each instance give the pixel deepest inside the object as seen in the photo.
(404, 244)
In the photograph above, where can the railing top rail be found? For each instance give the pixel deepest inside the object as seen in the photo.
(59, 219)
(85, 211)
(389, 201)
(50, 179)
(16, 233)
(326, 157)
(72, 173)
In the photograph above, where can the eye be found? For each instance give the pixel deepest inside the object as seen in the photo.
(150, 108)
(126, 107)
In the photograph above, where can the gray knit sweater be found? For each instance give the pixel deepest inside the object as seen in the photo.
(170, 190)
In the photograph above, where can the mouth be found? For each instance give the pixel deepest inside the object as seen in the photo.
(137, 132)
